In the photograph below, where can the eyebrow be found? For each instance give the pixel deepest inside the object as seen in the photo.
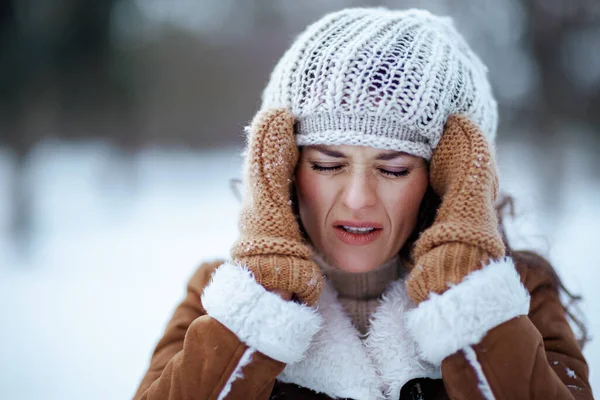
(328, 152)
(390, 156)
(339, 154)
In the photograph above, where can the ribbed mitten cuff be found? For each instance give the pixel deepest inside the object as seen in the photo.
(290, 274)
(442, 267)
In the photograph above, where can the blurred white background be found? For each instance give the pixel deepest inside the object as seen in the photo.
(121, 127)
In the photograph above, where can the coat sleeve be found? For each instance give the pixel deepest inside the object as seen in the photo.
(229, 338)
(502, 333)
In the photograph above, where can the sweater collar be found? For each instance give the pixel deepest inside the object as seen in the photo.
(362, 285)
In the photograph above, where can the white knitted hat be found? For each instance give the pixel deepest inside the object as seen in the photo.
(381, 78)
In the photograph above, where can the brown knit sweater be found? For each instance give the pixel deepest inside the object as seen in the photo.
(359, 293)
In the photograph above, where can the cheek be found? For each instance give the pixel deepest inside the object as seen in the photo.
(313, 197)
(403, 204)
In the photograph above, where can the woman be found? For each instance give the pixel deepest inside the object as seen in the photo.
(370, 264)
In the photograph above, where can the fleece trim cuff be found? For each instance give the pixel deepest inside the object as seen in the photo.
(463, 315)
(264, 321)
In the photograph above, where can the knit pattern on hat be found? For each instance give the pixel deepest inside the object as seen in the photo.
(381, 78)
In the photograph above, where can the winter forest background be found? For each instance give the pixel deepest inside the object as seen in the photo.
(121, 126)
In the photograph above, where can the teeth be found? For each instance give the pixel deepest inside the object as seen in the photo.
(353, 229)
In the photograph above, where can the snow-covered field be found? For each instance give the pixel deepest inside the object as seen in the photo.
(114, 240)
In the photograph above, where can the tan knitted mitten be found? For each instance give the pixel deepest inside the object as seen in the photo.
(270, 243)
(464, 235)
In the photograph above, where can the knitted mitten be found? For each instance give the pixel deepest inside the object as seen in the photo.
(464, 235)
(270, 243)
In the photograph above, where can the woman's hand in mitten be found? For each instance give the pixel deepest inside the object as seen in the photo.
(464, 235)
(270, 243)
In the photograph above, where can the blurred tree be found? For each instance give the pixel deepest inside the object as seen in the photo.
(561, 101)
(551, 23)
(56, 64)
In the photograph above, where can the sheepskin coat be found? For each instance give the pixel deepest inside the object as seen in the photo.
(502, 333)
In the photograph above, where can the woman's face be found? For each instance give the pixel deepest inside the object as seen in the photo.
(359, 204)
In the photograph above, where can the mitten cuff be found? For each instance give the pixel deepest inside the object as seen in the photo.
(441, 233)
(444, 267)
(289, 274)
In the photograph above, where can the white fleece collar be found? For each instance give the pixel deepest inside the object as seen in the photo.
(404, 341)
(340, 364)
(324, 352)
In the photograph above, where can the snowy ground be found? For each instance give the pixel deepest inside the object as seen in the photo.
(82, 305)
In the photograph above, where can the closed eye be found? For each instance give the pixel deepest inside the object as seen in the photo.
(334, 168)
(395, 174)
(321, 168)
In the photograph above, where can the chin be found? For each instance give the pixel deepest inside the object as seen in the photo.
(349, 261)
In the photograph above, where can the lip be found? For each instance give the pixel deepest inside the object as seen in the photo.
(357, 224)
(357, 239)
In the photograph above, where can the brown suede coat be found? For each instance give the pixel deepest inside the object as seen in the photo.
(533, 357)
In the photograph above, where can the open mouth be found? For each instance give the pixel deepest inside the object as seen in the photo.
(353, 229)
(357, 233)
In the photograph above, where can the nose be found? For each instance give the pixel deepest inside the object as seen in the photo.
(360, 192)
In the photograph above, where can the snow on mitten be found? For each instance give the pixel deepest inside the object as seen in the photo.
(464, 235)
(270, 243)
